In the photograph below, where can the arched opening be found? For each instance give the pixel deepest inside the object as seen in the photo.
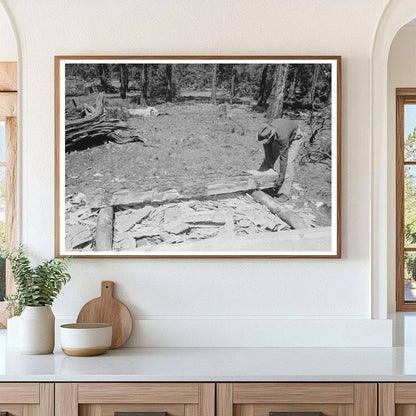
(401, 112)
(396, 15)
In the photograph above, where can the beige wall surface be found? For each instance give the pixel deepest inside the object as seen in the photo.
(8, 47)
(162, 291)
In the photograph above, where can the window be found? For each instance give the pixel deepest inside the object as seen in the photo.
(8, 166)
(2, 207)
(406, 199)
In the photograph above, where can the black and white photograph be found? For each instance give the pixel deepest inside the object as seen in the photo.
(198, 157)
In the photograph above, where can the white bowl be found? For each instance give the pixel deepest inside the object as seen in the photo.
(83, 340)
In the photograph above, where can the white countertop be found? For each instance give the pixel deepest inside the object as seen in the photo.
(213, 364)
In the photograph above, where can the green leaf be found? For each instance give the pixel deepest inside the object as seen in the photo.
(35, 286)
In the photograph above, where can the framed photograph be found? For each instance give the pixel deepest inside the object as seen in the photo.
(198, 156)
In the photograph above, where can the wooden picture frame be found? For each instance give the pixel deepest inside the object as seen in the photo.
(85, 84)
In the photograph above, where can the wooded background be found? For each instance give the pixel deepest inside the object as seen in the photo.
(270, 87)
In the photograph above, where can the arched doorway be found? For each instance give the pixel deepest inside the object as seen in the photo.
(396, 14)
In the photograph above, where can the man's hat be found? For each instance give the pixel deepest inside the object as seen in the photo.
(265, 133)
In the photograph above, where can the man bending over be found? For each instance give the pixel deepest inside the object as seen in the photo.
(281, 138)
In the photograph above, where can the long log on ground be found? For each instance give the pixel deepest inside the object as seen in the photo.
(238, 185)
(287, 216)
(104, 233)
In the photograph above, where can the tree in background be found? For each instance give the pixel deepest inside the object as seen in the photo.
(232, 83)
(410, 266)
(410, 192)
(313, 91)
(272, 86)
(410, 207)
(263, 96)
(145, 84)
(124, 80)
(293, 76)
(410, 146)
(214, 84)
(169, 93)
(104, 74)
(275, 109)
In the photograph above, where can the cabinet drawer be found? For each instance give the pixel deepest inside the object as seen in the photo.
(22, 399)
(297, 399)
(153, 399)
(138, 393)
(19, 393)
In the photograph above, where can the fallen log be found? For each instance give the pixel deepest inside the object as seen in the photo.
(104, 233)
(126, 198)
(278, 209)
(251, 181)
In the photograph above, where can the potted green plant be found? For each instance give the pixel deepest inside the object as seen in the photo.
(36, 289)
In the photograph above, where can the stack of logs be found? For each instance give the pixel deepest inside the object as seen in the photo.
(96, 127)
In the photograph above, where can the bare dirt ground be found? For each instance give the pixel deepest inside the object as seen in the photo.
(188, 146)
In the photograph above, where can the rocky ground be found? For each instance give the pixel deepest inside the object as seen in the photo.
(188, 146)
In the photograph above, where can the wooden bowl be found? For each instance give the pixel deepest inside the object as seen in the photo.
(85, 340)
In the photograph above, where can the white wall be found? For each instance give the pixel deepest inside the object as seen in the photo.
(183, 300)
(8, 47)
(401, 74)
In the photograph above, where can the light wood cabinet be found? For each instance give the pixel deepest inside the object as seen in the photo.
(397, 399)
(208, 399)
(108, 399)
(299, 399)
(27, 399)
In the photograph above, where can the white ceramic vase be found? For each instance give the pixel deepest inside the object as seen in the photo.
(37, 330)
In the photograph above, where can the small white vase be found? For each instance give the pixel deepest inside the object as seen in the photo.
(37, 330)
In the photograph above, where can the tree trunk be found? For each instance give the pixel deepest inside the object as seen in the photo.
(232, 86)
(263, 87)
(292, 88)
(124, 80)
(313, 90)
(275, 109)
(169, 83)
(314, 81)
(145, 85)
(214, 84)
(104, 76)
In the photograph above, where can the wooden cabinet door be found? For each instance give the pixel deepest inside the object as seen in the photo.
(297, 399)
(397, 399)
(26, 399)
(153, 399)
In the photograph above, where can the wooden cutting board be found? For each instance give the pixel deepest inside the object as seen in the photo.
(107, 309)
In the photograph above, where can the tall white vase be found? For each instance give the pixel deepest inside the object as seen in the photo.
(37, 330)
